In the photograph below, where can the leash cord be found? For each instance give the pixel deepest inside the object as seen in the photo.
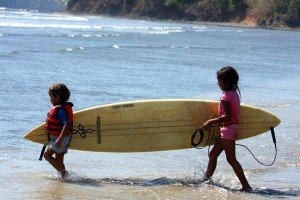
(274, 141)
(208, 140)
(210, 137)
(268, 165)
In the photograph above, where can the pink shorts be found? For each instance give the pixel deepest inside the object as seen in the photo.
(230, 132)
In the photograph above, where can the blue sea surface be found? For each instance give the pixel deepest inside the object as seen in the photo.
(105, 60)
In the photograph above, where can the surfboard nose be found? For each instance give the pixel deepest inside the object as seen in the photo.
(276, 121)
(26, 136)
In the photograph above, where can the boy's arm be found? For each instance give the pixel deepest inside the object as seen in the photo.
(62, 115)
(62, 135)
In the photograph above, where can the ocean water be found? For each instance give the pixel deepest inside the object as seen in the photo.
(104, 60)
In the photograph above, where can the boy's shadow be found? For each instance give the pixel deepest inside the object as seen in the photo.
(75, 179)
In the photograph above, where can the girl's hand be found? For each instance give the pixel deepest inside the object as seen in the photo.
(207, 124)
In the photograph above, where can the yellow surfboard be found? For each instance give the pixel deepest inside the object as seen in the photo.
(151, 125)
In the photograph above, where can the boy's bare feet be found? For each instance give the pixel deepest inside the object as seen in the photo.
(64, 174)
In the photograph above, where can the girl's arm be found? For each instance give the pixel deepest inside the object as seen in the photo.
(226, 117)
(220, 119)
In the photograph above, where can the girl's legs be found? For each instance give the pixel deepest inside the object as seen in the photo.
(213, 156)
(229, 147)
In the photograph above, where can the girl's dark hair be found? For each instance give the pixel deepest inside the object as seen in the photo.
(61, 90)
(230, 77)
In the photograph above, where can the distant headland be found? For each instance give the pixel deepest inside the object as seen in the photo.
(256, 13)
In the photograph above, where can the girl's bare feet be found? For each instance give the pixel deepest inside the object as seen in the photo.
(249, 189)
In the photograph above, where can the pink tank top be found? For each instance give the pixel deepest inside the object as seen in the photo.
(233, 98)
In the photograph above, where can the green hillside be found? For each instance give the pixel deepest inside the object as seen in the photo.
(263, 13)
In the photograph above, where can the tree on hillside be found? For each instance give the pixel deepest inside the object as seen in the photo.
(152, 7)
(293, 13)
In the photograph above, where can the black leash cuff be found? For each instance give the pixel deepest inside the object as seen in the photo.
(200, 131)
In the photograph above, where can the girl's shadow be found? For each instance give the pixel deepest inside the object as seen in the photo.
(262, 192)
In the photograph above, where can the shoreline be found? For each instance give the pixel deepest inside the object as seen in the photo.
(246, 23)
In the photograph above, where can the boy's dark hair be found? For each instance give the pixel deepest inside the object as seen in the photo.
(230, 76)
(61, 90)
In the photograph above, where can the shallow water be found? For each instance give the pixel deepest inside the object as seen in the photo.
(106, 60)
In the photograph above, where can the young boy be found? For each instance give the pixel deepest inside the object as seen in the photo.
(59, 127)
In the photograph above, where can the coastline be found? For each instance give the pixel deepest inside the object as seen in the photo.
(246, 23)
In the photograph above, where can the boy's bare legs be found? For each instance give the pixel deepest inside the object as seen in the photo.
(213, 156)
(56, 162)
(229, 147)
(48, 155)
(60, 159)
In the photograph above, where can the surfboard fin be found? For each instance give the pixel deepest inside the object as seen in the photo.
(42, 152)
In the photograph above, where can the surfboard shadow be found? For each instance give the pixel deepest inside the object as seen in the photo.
(196, 183)
(151, 182)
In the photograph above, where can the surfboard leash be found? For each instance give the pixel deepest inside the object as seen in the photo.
(274, 141)
(200, 131)
(208, 140)
(211, 134)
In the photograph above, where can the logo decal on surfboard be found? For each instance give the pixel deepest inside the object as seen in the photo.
(123, 106)
(82, 131)
(98, 130)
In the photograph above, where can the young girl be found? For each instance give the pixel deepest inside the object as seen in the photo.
(59, 127)
(228, 115)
